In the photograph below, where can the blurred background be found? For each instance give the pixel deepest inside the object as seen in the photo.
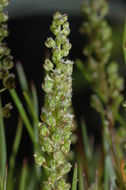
(29, 23)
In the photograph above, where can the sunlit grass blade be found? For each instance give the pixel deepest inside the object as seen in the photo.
(74, 181)
(12, 160)
(23, 115)
(22, 77)
(124, 42)
(5, 178)
(2, 144)
(23, 179)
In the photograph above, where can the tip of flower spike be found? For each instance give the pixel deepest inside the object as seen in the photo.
(60, 18)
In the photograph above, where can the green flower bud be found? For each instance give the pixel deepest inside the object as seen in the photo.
(67, 136)
(3, 72)
(66, 25)
(65, 18)
(59, 157)
(57, 53)
(7, 62)
(56, 16)
(61, 38)
(8, 82)
(65, 168)
(59, 21)
(50, 43)
(66, 147)
(6, 110)
(51, 121)
(52, 177)
(67, 45)
(43, 131)
(48, 84)
(56, 137)
(63, 185)
(47, 186)
(52, 164)
(39, 159)
(112, 68)
(47, 145)
(48, 65)
(66, 32)
(52, 104)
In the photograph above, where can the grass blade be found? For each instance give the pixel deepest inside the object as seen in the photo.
(36, 108)
(87, 147)
(34, 116)
(74, 182)
(23, 180)
(31, 110)
(23, 115)
(2, 145)
(22, 77)
(12, 160)
(5, 178)
(80, 175)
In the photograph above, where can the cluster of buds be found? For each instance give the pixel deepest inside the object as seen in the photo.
(6, 62)
(97, 52)
(98, 43)
(104, 78)
(56, 117)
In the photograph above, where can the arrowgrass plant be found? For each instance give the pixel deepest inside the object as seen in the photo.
(102, 169)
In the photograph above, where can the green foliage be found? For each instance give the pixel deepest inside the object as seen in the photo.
(75, 174)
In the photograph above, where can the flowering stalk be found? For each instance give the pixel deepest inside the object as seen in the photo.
(57, 120)
(101, 75)
(6, 63)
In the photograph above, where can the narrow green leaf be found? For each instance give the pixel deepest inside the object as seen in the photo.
(2, 145)
(23, 180)
(35, 124)
(12, 160)
(80, 174)
(74, 182)
(5, 178)
(87, 147)
(31, 110)
(23, 115)
(22, 77)
(124, 42)
(36, 109)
